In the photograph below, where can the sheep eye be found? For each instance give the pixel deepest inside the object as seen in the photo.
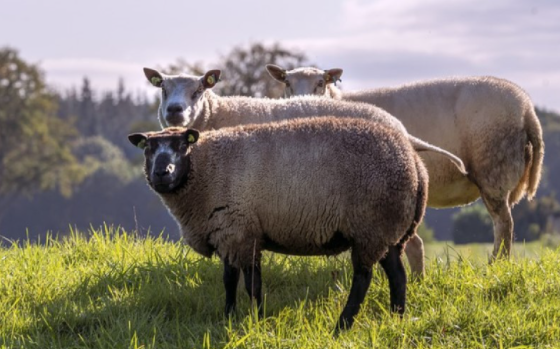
(197, 92)
(163, 92)
(183, 147)
(321, 83)
(287, 83)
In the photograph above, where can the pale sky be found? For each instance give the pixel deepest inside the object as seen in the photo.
(377, 43)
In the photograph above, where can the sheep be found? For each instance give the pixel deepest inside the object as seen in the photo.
(490, 123)
(187, 100)
(237, 191)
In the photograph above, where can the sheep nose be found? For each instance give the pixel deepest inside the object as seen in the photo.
(162, 172)
(174, 108)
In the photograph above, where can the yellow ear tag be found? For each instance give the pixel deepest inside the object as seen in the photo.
(211, 80)
(155, 80)
(141, 144)
(190, 139)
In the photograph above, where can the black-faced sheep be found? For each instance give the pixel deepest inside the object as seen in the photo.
(489, 123)
(315, 186)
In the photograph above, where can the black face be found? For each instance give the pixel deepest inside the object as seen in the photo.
(166, 156)
(166, 163)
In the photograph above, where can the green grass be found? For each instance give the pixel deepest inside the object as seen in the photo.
(117, 291)
(481, 252)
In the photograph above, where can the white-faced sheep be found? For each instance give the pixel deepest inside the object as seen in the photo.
(238, 191)
(187, 101)
(489, 123)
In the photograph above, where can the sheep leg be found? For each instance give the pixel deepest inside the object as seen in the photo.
(231, 279)
(415, 254)
(253, 284)
(500, 212)
(360, 284)
(394, 268)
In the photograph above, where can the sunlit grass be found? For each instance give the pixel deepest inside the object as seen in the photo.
(114, 290)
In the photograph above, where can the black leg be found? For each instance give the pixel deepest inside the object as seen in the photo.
(253, 284)
(360, 284)
(231, 279)
(394, 268)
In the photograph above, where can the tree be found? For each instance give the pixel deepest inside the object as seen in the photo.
(243, 69)
(472, 224)
(531, 218)
(86, 122)
(35, 149)
(425, 232)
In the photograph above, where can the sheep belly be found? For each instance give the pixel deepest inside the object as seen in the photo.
(336, 244)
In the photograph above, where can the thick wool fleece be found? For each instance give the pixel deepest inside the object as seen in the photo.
(218, 112)
(486, 121)
(304, 186)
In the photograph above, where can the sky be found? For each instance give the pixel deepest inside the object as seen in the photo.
(376, 42)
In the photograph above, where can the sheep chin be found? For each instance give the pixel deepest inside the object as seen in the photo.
(165, 188)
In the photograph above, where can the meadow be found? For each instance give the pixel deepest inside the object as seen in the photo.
(116, 290)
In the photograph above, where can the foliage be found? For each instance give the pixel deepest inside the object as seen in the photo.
(98, 154)
(532, 218)
(35, 152)
(245, 73)
(425, 232)
(243, 69)
(113, 115)
(106, 184)
(117, 291)
(472, 224)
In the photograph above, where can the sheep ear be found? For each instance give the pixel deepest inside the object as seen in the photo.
(192, 135)
(333, 75)
(277, 73)
(154, 77)
(211, 78)
(138, 139)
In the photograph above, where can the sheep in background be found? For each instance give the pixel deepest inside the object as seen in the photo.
(188, 101)
(239, 191)
(489, 123)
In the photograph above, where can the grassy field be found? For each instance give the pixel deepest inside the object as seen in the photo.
(117, 291)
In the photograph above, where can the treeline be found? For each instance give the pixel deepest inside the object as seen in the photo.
(65, 161)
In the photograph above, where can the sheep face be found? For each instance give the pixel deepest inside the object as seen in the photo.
(166, 156)
(182, 96)
(304, 81)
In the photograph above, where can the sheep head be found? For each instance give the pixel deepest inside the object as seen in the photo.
(182, 96)
(166, 156)
(304, 81)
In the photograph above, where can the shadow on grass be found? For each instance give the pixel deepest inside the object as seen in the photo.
(179, 302)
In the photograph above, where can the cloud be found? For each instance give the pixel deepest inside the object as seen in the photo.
(382, 42)
(390, 42)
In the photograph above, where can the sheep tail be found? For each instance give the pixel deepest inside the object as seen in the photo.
(534, 135)
(534, 153)
(420, 145)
